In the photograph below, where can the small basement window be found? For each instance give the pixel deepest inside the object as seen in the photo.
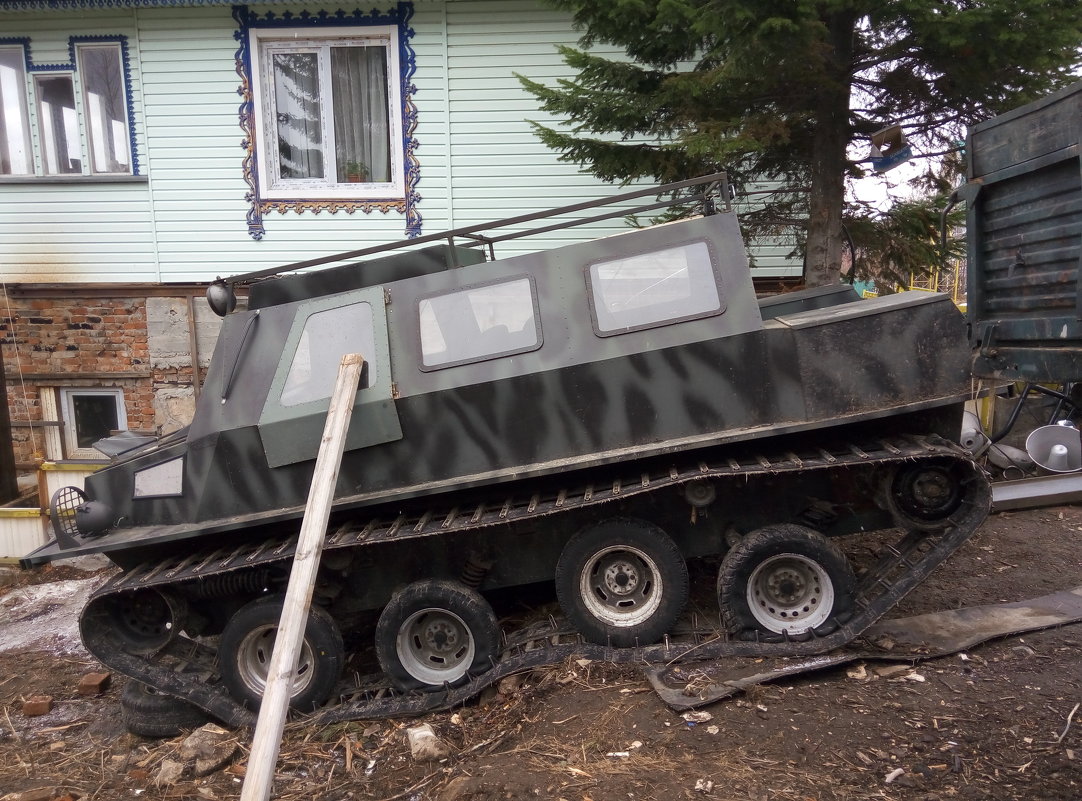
(653, 289)
(479, 323)
(90, 415)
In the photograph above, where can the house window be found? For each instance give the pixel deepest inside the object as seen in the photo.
(61, 149)
(478, 323)
(90, 415)
(106, 109)
(81, 113)
(16, 157)
(652, 289)
(329, 111)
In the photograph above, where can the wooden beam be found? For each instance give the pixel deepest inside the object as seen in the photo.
(267, 740)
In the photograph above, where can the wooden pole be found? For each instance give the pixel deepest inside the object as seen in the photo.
(9, 482)
(267, 739)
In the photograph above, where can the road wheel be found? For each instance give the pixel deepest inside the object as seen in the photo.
(247, 642)
(622, 582)
(785, 579)
(149, 713)
(436, 632)
(924, 496)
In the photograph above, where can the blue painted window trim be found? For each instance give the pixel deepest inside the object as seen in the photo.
(72, 66)
(399, 17)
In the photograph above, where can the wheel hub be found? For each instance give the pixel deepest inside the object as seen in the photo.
(621, 578)
(435, 646)
(786, 586)
(928, 493)
(621, 586)
(254, 658)
(441, 636)
(790, 592)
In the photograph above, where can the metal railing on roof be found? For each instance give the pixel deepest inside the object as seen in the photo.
(711, 190)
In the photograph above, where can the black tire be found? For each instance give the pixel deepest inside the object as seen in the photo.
(246, 644)
(436, 632)
(622, 582)
(149, 713)
(925, 496)
(785, 579)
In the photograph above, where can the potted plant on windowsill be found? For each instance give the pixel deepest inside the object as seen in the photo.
(356, 172)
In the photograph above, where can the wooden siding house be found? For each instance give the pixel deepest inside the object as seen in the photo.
(148, 146)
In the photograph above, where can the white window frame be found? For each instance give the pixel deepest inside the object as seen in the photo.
(13, 90)
(45, 153)
(67, 414)
(33, 116)
(263, 42)
(91, 145)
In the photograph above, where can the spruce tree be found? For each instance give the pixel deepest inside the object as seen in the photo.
(792, 91)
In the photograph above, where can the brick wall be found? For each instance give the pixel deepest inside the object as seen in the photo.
(53, 338)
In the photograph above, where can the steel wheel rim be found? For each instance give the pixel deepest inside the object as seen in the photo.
(435, 646)
(928, 493)
(621, 586)
(254, 656)
(790, 593)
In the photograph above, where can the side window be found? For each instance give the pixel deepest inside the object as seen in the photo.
(653, 289)
(478, 323)
(90, 415)
(327, 336)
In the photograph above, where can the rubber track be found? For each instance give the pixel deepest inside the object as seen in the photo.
(187, 669)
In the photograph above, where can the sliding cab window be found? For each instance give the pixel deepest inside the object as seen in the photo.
(478, 323)
(653, 289)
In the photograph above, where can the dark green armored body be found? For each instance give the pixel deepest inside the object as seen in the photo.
(593, 415)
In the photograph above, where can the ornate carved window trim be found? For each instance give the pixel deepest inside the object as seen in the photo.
(259, 206)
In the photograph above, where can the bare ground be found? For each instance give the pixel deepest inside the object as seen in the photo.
(1002, 722)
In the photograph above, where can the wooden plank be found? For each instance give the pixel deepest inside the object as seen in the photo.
(267, 739)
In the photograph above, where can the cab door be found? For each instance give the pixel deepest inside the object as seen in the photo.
(323, 330)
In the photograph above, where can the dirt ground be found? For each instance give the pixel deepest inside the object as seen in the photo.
(1001, 721)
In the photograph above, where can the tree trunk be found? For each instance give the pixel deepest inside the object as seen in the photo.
(823, 255)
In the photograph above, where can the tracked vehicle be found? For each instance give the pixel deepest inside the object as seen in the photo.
(594, 415)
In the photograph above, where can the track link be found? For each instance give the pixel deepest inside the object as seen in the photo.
(175, 664)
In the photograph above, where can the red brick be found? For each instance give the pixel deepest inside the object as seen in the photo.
(94, 683)
(38, 705)
(40, 794)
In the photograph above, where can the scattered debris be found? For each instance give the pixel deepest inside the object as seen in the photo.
(858, 672)
(509, 685)
(1070, 717)
(704, 786)
(889, 671)
(697, 717)
(912, 638)
(425, 746)
(169, 773)
(211, 748)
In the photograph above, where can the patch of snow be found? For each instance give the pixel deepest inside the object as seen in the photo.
(45, 617)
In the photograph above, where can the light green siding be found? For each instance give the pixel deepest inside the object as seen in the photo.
(479, 159)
